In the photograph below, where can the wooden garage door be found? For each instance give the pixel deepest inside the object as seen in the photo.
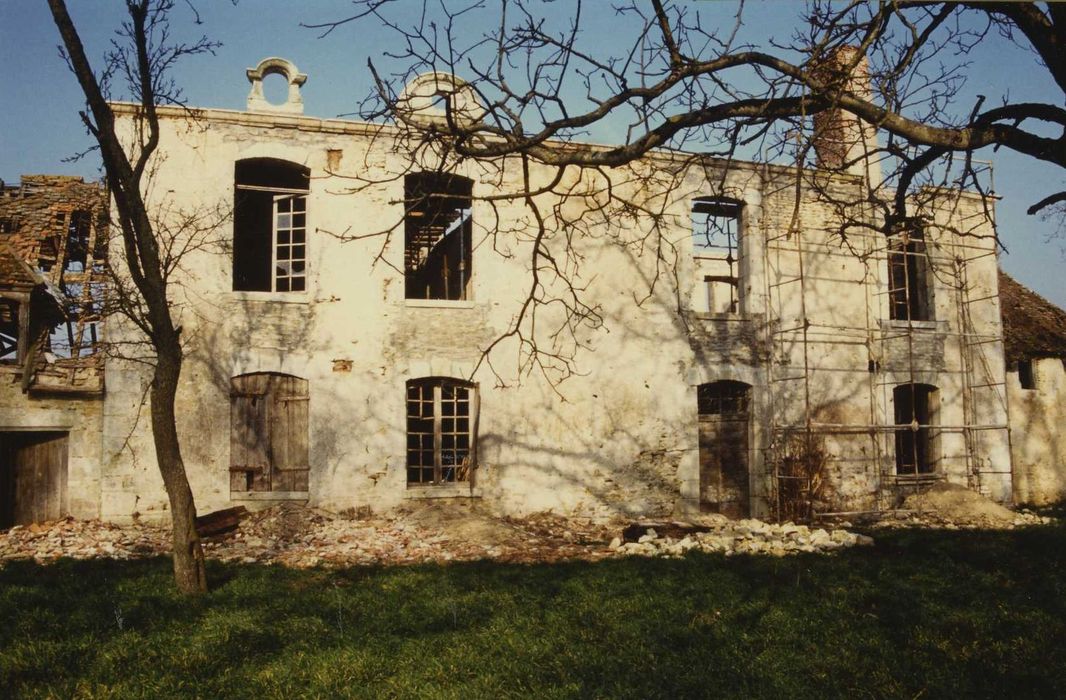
(33, 477)
(724, 418)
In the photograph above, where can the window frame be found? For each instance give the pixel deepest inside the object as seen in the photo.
(421, 189)
(457, 472)
(908, 260)
(291, 245)
(922, 435)
(708, 257)
(276, 181)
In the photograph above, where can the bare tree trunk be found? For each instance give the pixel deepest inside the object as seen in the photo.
(142, 257)
(190, 573)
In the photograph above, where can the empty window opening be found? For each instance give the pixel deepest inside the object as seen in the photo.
(81, 333)
(909, 283)
(270, 226)
(716, 249)
(724, 409)
(7, 225)
(722, 294)
(10, 313)
(268, 433)
(77, 250)
(441, 419)
(1025, 374)
(438, 231)
(916, 409)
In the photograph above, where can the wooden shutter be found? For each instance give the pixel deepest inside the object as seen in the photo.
(288, 433)
(249, 434)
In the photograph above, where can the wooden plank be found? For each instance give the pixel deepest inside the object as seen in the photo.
(37, 466)
(220, 521)
(7, 482)
(723, 458)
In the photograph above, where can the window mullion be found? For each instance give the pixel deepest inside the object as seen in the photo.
(436, 433)
(274, 244)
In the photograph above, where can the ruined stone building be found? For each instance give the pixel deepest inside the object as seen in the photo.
(53, 245)
(338, 298)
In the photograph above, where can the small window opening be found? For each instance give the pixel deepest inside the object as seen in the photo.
(270, 226)
(716, 249)
(77, 252)
(1025, 374)
(9, 330)
(440, 431)
(437, 236)
(916, 416)
(723, 398)
(276, 88)
(7, 225)
(909, 290)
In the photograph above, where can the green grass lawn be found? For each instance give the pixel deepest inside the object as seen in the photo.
(923, 613)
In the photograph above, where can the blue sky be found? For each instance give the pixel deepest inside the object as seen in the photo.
(39, 127)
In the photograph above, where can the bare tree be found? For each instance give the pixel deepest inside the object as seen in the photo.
(868, 88)
(140, 56)
(683, 84)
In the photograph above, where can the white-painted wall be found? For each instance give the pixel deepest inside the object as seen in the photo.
(618, 436)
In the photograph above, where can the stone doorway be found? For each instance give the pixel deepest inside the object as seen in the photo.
(33, 477)
(724, 429)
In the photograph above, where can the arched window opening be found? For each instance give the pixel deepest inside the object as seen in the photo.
(724, 409)
(438, 234)
(270, 225)
(916, 413)
(268, 433)
(441, 431)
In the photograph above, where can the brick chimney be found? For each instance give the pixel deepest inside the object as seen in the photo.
(843, 141)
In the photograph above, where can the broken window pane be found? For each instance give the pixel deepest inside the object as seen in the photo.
(270, 226)
(439, 434)
(722, 398)
(909, 291)
(437, 236)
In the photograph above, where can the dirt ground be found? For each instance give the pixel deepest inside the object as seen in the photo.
(463, 530)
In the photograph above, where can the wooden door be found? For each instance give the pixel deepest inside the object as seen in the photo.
(33, 477)
(724, 425)
(268, 433)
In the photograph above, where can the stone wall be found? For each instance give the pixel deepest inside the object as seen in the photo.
(1037, 441)
(618, 436)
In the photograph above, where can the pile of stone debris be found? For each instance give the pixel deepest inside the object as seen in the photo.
(82, 539)
(299, 536)
(953, 507)
(718, 534)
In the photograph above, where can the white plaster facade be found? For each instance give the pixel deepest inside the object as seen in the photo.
(811, 336)
(1038, 445)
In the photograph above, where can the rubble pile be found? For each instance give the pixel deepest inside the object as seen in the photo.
(82, 539)
(299, 536)
(952, 507)
(729, 537)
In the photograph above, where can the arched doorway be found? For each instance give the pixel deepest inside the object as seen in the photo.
(724, 427)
